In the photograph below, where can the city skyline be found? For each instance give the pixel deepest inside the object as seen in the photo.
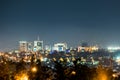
(59, 21)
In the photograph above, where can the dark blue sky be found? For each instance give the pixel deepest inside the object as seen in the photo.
(71, 21)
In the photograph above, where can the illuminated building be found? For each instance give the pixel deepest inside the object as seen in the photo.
(113, 49)
(23, 46)
(60, 47)
(30, 46)
(87, 48)
(38, 45)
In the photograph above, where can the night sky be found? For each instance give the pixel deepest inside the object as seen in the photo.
(70, 21)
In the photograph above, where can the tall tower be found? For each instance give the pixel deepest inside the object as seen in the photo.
(23, 46)
(38, 45)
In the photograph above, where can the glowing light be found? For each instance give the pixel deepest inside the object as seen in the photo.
(114, 75)
(103, 77)
(34, 69)
(73, 58)
(61, 59)
(102, 74)
(113, 48)
(118, 57)
(54, 59)
(73, 72)
(41, 58)
(21, 76)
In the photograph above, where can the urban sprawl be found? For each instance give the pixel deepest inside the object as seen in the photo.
(32, 61)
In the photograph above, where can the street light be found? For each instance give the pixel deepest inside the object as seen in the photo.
(73, 72)
(34, 69)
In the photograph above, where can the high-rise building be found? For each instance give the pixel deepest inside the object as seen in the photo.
(38, 45)
(23, 46)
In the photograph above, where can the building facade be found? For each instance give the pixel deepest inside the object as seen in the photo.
(23, 46)
(60, 47)
(38, 45)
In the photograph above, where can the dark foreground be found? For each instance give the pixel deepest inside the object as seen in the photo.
(35, 71)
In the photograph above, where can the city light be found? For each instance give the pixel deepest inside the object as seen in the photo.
(73, 72)
(113, 48)
(60, 40)
(34, 69)
(114, 75)
(21, 76)
(61, 59)
(41, 58)
(118, 57)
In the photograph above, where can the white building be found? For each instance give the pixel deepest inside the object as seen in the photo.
(38, 45)
(60, 47)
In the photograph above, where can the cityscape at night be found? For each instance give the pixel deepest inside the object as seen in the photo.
(59, 40)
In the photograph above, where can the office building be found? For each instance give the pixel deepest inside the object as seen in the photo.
(38, 45)
(23, 46)
(60, 47)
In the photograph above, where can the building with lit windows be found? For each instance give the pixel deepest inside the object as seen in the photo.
(87, 49)
(38, 45)
(23, 46)
(84, 47)
(60, 47)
